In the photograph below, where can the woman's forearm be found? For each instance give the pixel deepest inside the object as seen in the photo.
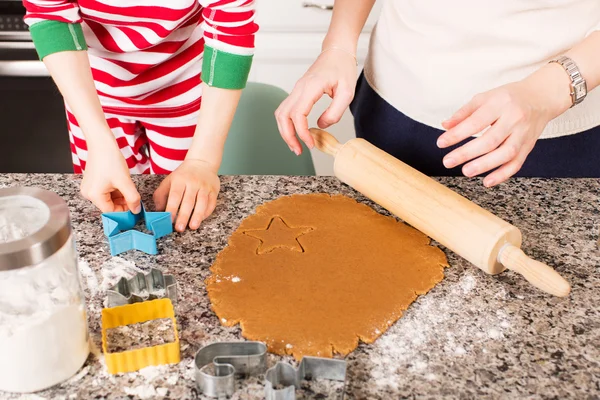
(216, 115)
(587, 57)
(552, 83)
(347, 22)
(72, 74)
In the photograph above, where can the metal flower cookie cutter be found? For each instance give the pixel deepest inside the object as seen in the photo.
(283, 374)
(142, 287)
(122, 237)
(136, 359)
(218, 364)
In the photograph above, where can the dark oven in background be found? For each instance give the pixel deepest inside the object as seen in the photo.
(33, 131)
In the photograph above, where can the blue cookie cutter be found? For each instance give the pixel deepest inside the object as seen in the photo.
(118, 228)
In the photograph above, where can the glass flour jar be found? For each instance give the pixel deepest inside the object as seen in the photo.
(43, 325)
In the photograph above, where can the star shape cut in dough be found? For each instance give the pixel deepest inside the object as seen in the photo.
(278, 235)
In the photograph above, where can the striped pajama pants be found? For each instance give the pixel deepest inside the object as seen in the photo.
(156, 145)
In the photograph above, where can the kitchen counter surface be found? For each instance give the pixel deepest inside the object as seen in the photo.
(472, 336)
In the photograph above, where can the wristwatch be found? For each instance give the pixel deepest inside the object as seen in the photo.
(578, 85)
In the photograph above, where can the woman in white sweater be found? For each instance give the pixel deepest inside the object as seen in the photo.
(469, 87)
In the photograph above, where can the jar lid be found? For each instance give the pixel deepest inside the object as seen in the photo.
(34, 224)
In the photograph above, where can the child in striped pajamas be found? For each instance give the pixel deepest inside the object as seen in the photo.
(150, 86)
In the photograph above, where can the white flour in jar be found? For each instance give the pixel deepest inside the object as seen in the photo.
(48, 350)
(21, 216)
(43, 324)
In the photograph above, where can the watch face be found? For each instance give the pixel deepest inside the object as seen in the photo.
(580, 91)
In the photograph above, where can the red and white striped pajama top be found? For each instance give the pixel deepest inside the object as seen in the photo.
(148, 60)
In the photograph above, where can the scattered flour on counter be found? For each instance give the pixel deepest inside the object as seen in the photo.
(501, 294)
(418, 365)
(467, 283)
(495, 334)
(90, 276)
(190, 371)
(102, 376)
(429, 326)
(154, 381)
(141, 392)
(151, 373)
(172, 380)
(233, 279)
(115, 268)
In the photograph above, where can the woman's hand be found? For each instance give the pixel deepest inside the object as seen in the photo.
(333, 73)
(106, 179)
(513, 117)
(189, 193)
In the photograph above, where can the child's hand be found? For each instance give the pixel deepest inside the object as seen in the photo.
(190, 193)
(106, 180)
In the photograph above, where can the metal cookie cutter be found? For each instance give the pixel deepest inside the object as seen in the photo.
(118, 228)
(142, 287)
(310, 368)
(218, 364)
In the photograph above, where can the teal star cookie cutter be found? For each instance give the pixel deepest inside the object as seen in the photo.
(122, 237)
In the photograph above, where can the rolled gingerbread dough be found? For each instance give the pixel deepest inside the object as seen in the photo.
(313, 274)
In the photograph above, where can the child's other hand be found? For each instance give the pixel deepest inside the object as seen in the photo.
(189, 193)
(107, 182)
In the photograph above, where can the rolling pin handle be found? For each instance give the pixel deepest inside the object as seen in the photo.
(325, 141)
(538, 274)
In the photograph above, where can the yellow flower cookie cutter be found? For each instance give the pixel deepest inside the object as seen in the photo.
(133, 360)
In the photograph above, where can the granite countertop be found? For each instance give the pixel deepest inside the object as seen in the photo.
(472, 336)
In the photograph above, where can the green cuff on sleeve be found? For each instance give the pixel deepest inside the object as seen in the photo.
(225, 70)
(54, 36)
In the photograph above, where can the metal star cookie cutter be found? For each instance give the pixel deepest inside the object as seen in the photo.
(142, 287)
(283, 374)
(218, 364)
(118, 228)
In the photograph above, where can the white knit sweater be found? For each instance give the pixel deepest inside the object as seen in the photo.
(427, 58)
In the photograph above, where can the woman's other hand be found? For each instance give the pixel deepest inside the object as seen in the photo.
(512, 118)
(334, 73)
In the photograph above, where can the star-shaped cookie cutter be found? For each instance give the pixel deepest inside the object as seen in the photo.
(122, 237)
(283, 374)
(142, 287)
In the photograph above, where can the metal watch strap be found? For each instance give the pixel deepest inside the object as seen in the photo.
(578, 84)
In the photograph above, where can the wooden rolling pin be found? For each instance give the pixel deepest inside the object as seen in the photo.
(475, 234)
